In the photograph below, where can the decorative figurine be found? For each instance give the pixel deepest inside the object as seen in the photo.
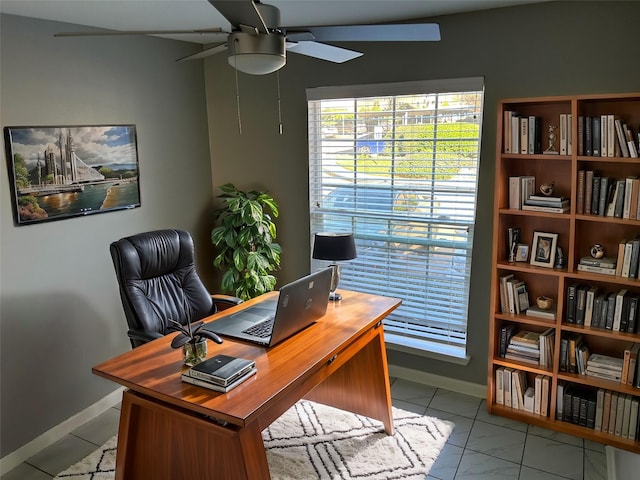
(597, 251)
(551, 135)
(545, 303)
(547, 188)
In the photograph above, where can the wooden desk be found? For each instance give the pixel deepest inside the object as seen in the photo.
(173, 430)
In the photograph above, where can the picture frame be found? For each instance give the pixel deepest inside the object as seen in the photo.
(59, 172)
(544, 247)
(522, 252)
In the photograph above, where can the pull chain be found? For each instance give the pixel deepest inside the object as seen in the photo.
(235, 67)
(279, 107)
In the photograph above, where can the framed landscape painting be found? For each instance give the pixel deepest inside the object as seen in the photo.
(69, 171)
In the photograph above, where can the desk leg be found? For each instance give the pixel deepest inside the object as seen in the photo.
(159, 441)
(361, 385)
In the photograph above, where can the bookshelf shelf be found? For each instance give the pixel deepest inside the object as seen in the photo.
(577, 231)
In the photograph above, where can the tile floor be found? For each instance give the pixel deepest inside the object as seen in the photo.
(481, 446)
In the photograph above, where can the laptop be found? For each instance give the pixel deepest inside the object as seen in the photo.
(299, 304)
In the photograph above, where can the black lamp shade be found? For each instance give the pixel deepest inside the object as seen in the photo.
(334, 246)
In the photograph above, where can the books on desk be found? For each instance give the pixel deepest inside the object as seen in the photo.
(220, 373)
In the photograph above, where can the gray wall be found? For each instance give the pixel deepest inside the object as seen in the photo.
(556, 48)
(60, 309)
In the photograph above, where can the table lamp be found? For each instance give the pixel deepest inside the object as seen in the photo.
(334, 247)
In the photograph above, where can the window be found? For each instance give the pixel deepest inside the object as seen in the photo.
(397, 165)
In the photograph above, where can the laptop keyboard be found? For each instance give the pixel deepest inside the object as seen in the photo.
(262, 329)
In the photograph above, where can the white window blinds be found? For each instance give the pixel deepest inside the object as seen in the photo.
(397, 165)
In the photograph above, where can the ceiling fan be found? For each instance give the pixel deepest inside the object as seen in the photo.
(258, 43)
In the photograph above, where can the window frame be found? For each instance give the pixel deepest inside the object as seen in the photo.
(397, 336)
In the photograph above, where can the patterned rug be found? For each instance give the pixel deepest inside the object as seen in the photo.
(312, 441)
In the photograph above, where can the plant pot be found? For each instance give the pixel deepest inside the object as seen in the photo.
(194, 353)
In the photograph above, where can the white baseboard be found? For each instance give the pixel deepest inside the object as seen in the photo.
(419, 376)
(12, 460)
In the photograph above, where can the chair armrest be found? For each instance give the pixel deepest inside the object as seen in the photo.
(143, 337)
(222, 302)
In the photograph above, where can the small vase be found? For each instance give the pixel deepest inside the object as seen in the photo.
(194, 353)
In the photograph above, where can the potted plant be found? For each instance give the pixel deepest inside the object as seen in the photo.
(192, 337)
(245, 237)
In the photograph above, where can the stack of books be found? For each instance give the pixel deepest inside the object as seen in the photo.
(524, 346)
(220, 373)
(603, 366)
(604, 265)
(540, 203)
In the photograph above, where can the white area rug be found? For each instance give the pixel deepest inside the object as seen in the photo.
(312, 441)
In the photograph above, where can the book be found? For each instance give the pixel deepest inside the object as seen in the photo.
(535, 311)
(222, 370)
(599, 409)
(589, 301)
(538, 208)
(527, 187)
(626, 259)
(632, 320)
(544, 396)
(571, 302)
(500, 386)
(633, 202)
(633, 419)
(547, 203)
(629, 358)
(524, 135)
(635, 257)
(588, 191)
(514, 193)
(563, 133)
(626, 416)
(506, 383)
(504, 299)
(595, 136)
(606, 411)
(562, 385)
(581, 298)
(588, 136)
(506, 130)
(581, 190)
(595, 195)
(592, 269)
(216, 387)
(617, 312)
(506, 332)
(621, 137)
(603, 200)
(607, 262)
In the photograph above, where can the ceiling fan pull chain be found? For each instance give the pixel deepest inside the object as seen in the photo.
(279, 108)
(238, 99)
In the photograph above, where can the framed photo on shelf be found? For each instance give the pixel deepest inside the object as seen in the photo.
(522, 252)
(543, 253)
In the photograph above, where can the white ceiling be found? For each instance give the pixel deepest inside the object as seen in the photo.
(200, 14)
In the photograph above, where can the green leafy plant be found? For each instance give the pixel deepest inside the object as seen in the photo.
(191, 333)
(245, 237)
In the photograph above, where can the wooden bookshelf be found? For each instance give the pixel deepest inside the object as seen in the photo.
(577, 232)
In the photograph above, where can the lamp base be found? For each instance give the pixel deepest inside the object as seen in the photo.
(334, 297)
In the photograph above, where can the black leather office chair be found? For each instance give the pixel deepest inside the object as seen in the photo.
(158, 281)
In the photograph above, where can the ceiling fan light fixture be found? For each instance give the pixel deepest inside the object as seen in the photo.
(257, 54)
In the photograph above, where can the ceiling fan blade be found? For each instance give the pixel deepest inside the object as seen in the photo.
(97, 33)
(241, 13)
(323, 51)
(401, 32)
(204, 53)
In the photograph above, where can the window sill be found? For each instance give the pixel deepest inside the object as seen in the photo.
(423, 348)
